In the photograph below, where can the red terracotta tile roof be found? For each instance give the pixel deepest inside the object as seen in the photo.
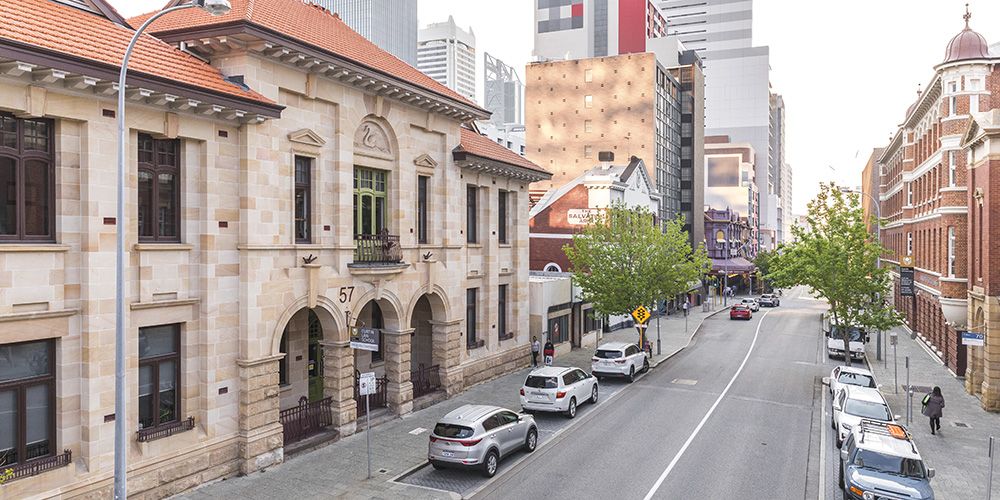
(70, 31)
(310, 24)
(482, 146)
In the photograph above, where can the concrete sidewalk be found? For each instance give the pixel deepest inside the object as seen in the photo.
(339, 470)
(959, 451)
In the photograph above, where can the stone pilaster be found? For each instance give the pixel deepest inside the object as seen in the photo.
(261, 438)
(338, 384)
(447, 354)
(399, 391)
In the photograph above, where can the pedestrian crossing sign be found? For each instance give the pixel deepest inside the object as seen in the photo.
(641, 314)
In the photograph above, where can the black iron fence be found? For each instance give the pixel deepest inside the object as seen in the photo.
(162, 431)
(381, 248)
(39, 465)
(306, 419)
(377, 400)
(425, 380)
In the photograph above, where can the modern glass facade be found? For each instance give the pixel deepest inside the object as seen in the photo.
(390, 24)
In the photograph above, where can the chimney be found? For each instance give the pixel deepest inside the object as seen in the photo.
(606, 158)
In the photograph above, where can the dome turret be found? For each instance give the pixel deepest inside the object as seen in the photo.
(967, 44)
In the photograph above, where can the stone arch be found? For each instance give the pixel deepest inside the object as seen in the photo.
(326, 311)
(375, 138)
(389, 303)
(438, 298)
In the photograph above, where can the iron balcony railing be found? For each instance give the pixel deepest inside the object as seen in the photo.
(306, 419)
(39, 465)
(162, 431)
(380, 248)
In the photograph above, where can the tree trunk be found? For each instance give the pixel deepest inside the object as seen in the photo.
(844, 334)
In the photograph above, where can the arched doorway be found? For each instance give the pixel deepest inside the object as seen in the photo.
(424, 372)
(304, 408)
(371, 316)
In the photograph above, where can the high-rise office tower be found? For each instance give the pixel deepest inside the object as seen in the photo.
(447, 54)
(504, 92)
(390, 24)
(580, 29)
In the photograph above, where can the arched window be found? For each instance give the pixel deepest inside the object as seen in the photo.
(552, 267)
(27, 179)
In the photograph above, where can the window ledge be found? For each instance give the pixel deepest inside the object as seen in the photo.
(33, 247)
(138, 306)
(61, 313)
(474, 245)
(38, 466)
(506, 245)
(166, 430)
(162, 247)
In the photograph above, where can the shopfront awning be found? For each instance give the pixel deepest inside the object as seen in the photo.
(733, 265)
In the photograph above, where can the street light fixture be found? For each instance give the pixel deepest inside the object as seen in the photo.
(215, 8)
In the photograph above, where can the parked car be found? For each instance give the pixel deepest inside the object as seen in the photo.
(849, 375)
(880, 461)
(857, 339)
(740, 311)
(479, 436)
(855, 403)
(558, 389)
(619, 359)
(769, 300)
(751, 303)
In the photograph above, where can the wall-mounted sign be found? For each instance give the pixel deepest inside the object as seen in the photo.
(906, 286)
(582, 216)
(365, 339)
(973, 339)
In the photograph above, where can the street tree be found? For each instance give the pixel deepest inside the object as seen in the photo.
(622, 259)
(837, 258)
(763, 264)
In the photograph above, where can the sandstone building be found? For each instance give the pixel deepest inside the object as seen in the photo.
(298, 185)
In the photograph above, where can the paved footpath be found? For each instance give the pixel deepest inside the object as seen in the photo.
(959, 451)
(399, 446)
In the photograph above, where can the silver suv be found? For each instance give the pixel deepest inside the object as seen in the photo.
(478, 436)
(880, 461)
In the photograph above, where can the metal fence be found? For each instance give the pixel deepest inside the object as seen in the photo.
(381, 248)
(40, 465)
(425, 380)
(306, 419)
(377, 400)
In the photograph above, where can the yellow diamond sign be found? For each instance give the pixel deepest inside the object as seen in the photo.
(641, 314)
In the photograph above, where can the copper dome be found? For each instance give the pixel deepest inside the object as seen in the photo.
(967, 44)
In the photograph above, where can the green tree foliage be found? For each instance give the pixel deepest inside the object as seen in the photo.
(836, 257)
(622, 260)
(763, 264)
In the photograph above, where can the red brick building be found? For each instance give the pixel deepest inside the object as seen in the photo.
(934, 190)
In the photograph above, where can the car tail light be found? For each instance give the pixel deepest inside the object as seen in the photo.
(522, 391)
(620, 361)
(560, 394)
(433, 439)
(470, 442)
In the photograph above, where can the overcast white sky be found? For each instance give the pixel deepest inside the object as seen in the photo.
(848, 69)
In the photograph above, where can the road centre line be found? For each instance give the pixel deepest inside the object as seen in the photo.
(690, 439)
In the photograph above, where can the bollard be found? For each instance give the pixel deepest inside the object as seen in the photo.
(909, 394)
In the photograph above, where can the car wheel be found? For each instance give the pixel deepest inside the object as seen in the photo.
(436, 465)
(838, 441)
(593, 395)
(491, 463)
(531, 442)
(571, 411)
(645, 366)
(631, 374)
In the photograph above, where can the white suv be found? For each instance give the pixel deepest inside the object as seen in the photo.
(558, 389)
(619, 359)
(854, 404)
(751, 303)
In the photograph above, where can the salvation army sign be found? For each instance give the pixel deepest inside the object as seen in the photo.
(582, 216)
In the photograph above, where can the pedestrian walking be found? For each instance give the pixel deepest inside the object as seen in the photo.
(549, 352)
(536, 347)
(933, 406)
(686, 308)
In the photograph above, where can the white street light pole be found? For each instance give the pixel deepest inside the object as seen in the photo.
(216, 8)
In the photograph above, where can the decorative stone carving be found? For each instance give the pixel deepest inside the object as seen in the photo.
(372, 140)
(307, 137)
(425, 161)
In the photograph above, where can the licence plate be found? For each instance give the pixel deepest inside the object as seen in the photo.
(447, 453)
(536, 393)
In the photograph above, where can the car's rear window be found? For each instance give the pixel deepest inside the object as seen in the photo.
(857, 379)
(866, 409)
(607, 354)
(537, 382)
(452, 431)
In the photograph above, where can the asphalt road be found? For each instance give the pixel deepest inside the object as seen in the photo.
(736, 415)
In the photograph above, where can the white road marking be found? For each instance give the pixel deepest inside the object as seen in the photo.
(822, 448)
(418, 431)
(711, 410)
(684, 381)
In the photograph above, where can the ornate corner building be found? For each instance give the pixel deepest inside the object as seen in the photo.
(935, 195)
(287, 183)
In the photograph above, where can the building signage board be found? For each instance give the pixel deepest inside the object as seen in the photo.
(581, 216)
(365, 339)
(973, 339)
(906, 286)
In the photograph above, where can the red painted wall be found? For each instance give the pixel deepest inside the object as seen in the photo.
(631, 26)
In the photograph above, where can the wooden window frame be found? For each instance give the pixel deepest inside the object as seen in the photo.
(21, 156)
(503, 206)
(156, 167)
(471, 317)
(472, 214)
(376, 194)
(305, 189)
(154, 362)
(21, 387)
(502, 311)
(423, 194)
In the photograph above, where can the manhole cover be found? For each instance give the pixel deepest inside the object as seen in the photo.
(683, 381)
(962, 424)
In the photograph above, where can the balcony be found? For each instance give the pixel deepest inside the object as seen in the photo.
(38, 466)
(377, 253)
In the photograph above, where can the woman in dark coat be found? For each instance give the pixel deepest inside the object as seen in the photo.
(934, 408)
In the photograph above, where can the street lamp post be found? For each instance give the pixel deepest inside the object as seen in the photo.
(216, 8)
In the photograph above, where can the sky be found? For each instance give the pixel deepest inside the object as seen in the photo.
(848, 69)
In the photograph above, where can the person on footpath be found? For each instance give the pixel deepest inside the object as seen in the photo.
(536, 347)
(549, 352)
(685, 308)
(933, 406)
